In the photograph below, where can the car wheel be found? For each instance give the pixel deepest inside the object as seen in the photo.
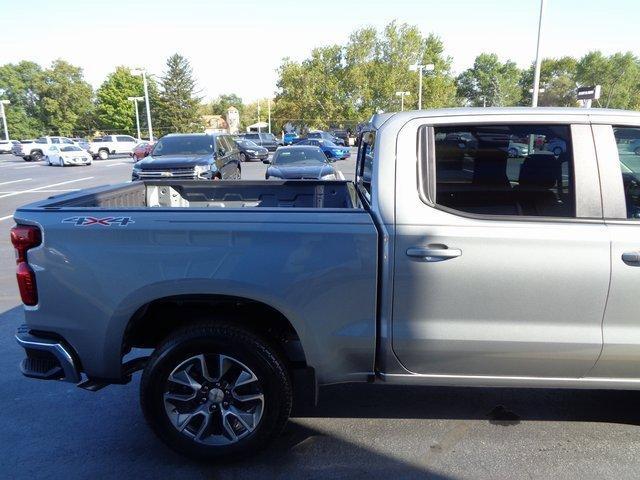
(62, 162)
(48, 160)
(36, 156)
(557, 151)
(243, 157)
(637, 151)
(103, 154)
(215, 391)
(513, 152)
(26, 159)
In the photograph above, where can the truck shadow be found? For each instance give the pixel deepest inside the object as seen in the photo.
(497, 405)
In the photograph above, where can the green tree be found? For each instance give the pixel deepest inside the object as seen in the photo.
(490, 82)
(221, 104)
(178, 108)
(65, 97)
(557, 78)
(19, 84)
(619, 75)
(114, 112)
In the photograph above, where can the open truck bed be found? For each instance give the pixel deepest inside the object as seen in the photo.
(199, 194)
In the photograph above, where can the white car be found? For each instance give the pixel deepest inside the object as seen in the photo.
(109, 145)
(68, 155)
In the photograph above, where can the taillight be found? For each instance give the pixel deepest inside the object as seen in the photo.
(24, 237)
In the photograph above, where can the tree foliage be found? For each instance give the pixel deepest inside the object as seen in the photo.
(178, 108)
(114, 112)
(490, 82)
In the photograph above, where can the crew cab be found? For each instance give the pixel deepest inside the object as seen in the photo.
(36, 150)
(431, 268)
(108, 145)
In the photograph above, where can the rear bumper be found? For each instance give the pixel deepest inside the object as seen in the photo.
(47, 358)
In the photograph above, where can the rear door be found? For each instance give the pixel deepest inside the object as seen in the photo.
(620, 176)
(501, 262)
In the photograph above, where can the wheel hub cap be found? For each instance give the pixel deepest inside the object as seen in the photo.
(216, 395)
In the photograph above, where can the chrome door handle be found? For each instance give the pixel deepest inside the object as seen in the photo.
(631, 258)
(434, 254)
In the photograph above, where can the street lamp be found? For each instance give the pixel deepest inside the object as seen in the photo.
(536, 75)
(429, 67)
(4, 117)
(135, 100)
(402, 95)
(141, 71)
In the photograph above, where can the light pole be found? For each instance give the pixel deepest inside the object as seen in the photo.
(536, 74)
(141, 71)
(429, 67)
(4, 117)
(135, 101)
(259, 130)
(402, 95)
(269, 107)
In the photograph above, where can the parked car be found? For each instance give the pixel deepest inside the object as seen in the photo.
(108, 145)
(516, 149)
(289, 138)
(340, 135)
(266, 140)
(83, 143)
(195, 156)
(6, 146)
(250, 151)
(330, 149)
(632, 146)
(327, 137)
(251, 295)
(141, 150)
(65, 155)
(556, 145)
(301, 162)
(35, 150)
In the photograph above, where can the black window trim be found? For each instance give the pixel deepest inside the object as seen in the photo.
(426, 162)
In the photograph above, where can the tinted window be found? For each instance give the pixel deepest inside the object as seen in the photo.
(55, 140)
(252, 136)
(67, 140)
(41, 140)
(365, 162)
(124, 138)
(299, 156)
(505, 170)
(628, 141)
(184, 145)
(71, 148)
(247, 143)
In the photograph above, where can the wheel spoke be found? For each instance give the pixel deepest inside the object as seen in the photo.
(179, 397)
(251, 397)
(228, 428)
(183, 378)
(204, 368)
(224, 364)
(244, 378)
(246, 419)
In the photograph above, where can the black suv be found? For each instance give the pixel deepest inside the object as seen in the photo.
(191, 156)
(266, 140)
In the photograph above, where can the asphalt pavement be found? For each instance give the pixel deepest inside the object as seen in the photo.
(54, 430)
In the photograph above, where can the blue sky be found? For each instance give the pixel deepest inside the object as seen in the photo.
(236, 46)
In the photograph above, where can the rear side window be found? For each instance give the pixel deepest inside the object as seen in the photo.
(515, 170)
(628, 142)
(364, 170)
(124, 138)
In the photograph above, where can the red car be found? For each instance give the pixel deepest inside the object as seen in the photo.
(141, 150)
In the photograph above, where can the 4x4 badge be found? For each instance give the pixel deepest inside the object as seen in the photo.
(105, 222)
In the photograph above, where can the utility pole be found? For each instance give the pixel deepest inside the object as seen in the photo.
(259, 116)
(536, 75)
(429, 67)
(402, 95)
(269, 107)
(135, 100)
(141, 71)
(4, 117)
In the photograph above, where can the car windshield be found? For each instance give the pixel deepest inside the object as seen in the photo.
(299, 156)
(184, 145)
(327, 143)
(247, 143)
(71, 148)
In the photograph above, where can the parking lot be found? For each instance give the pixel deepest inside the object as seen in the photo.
(54, 430)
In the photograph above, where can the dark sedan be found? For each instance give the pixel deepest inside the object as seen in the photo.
(250, 150)
(330, 149)
(301, 162)
(194, 156)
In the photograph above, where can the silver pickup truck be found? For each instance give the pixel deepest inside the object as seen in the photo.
(451, 260)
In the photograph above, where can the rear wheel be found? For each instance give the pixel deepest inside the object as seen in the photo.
(36, 156)
(243, 157)
(103, 154)
(212, 391)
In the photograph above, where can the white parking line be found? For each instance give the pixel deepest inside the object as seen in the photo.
(44, 187)
(6, 218)
(15, 181)
(55, 190)
(114, 164)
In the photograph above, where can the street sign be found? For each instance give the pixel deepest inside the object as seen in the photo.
(588, 93)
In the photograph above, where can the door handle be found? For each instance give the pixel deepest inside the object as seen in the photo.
(631, 258)
(434, 254)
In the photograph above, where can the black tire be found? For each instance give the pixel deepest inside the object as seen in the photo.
(26, 159)
(243, 157)
(36, 156)
(231, 341)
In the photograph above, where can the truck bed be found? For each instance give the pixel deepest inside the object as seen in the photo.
(199, 194)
